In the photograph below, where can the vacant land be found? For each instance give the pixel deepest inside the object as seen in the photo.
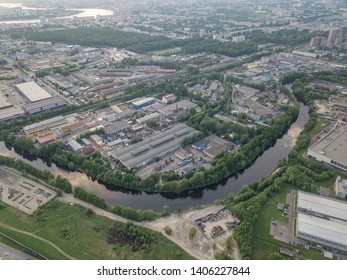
(62, 231)
(198, 246)
(167, 51)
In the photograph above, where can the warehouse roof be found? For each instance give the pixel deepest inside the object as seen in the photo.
(322, 219)
(153, 146)
(327, 206)
(43, 103)
(180, 105)
(333, 145)
(33, 91)
(332, 230)
(10, 113)
(116, 127)
(59, 119)
(75, 145)
(140, 102)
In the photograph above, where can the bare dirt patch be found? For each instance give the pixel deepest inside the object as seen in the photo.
(199, 247)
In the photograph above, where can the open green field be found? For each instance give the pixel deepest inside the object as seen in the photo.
(77, 234)
(320, 125)
(167, 51)
(264, 245)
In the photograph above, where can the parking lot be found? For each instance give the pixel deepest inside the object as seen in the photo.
(22, 193)
(284, 231)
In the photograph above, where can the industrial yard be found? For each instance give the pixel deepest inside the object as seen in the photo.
(22, 193)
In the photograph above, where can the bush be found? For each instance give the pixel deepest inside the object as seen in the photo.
(192, 233)
(168, 230)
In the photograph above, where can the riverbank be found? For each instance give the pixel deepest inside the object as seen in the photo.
(262, 167)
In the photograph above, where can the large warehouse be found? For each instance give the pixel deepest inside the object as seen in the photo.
(154, 147)
(332, 149)
(44, 105)
(322, 221)
(44, 125)
(33, 92)
(7, 110)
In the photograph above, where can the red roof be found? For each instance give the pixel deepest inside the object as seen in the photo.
(73, 126)
(46, 138)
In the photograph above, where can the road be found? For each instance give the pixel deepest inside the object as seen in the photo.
(8, 253)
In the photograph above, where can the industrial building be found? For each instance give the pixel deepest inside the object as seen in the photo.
(332, 148)
(213, 145)
(153, 116)
(142, 102)
(179, 107)
(154, 147)
(116, 128)
(43, 125)
(44, 105)
(10, 113)
(168, 98)
(7, 110)
(75, 146)
(340, 187)
(322, 221)
(33, 92)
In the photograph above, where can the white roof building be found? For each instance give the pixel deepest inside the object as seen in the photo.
(322, 221)
(33, 92)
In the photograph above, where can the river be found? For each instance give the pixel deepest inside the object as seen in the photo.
(262, 167)
(84, 13)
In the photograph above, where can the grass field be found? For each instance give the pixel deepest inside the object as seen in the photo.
(78, 235)
(167, 51)
(320, 125)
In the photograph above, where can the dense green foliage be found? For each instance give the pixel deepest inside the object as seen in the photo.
(298, 172)
(89, 197)
(58, 182)
(102, 37)
(225, 48)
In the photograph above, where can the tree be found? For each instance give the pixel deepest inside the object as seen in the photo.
(168, 230)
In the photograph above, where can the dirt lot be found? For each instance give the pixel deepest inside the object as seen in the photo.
(22, 193)
(200, 247)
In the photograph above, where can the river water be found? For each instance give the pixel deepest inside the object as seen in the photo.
(84, 13)
(262, 167)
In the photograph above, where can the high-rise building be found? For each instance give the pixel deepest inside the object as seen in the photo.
(335, 35)
(238, 39)
(317, 42)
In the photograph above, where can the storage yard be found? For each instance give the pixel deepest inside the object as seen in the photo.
(22, 193)
(215, 224)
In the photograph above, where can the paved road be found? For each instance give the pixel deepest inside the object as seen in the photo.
(8, 253)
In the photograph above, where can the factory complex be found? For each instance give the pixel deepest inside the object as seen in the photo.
(27, 98)
(322, 220)
(155, 147)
